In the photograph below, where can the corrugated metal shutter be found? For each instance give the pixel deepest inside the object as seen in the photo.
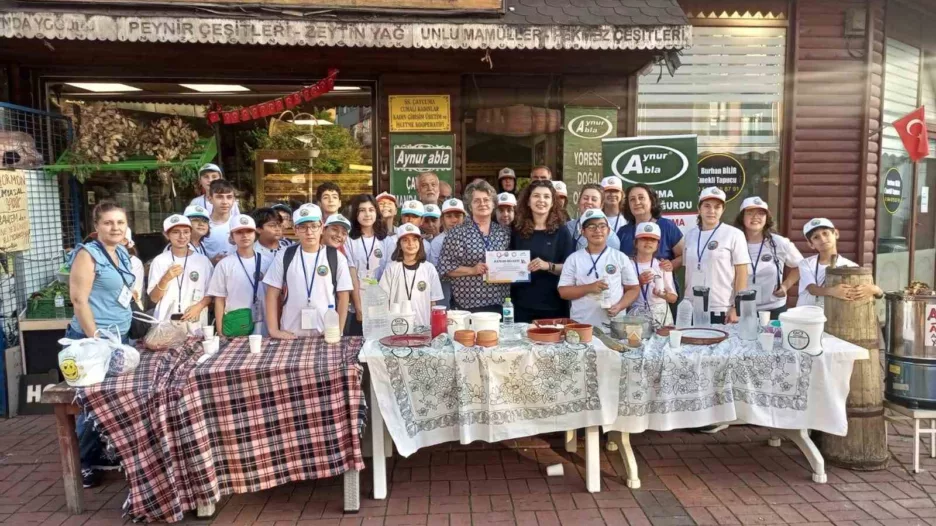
(728, 91)
(901, 78)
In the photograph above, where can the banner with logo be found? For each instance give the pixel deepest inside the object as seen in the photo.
(413, 154)
(668, 164)
(581, 147)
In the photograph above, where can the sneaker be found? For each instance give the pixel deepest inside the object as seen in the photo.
(714, 428)
(106, 464)
(90, 478)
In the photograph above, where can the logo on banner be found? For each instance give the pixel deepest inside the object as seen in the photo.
(590, 127)
(651, 164)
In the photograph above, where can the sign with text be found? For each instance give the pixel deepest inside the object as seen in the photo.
(440, 5)
(931, 324)
(14, 219)
(412, 154)
(420, 113)
(508, 267)
(667, 164)
(723, 171)
(892, 193)
(581, 147)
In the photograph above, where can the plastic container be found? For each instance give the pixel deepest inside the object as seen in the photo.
(458, 320)
(684, 314)
(802, 329)
(438, 321)
(508, 312)
(59, 306)
(376, 316)
(485, 321)
(332, 329)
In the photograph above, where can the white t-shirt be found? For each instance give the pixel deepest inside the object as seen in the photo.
(232, 282)
(137, 267)
(580, 240)
(766, 270)
(423, 286)
(193, 280)
(612, 265)
(266, 256)
(722, 248)
(810, 274)
(668, 284)
(318, 274)
(368, 255)
(216, 242)
(203, 202)
(615, 223)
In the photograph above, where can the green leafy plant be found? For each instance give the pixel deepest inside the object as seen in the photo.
(336, 145)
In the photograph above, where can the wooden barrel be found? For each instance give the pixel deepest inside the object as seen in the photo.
(553, 120)
(518, 121)
(865, 446)
(539, 121)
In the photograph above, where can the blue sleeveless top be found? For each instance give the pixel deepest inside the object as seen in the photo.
(105, 291)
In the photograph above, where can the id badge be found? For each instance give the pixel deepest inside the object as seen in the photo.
(125, 297)
(308, 319)
(256, 312)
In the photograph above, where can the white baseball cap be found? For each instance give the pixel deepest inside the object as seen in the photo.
(560, 188)
(193, 211)
(413, 208)
(338, 219)
(242, 222)
(306, 213)
(385, 195)
(408, 229)
(712, 192)
(819, 222)
(591, 213)
(648, 229)
(453, 205)
(432, 211)
(210, 168)
(175, 220)
(612, 183)
(754, 202)
(506, 199)
(506, 172)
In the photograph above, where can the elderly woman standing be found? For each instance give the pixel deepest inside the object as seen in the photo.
(463, 253)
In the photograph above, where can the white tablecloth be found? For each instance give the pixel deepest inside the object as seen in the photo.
(430, 396)
(662, 389)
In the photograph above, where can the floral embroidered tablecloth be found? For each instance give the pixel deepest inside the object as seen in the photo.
(428, 396)
(663, 389)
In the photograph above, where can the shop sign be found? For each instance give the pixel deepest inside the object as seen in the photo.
(420, 113)
(581, 147)
(723, 171)
(256, 31)
(667, 164)
(413, 154)
(14, 218)
(892, 193)
(931, 324)
(440, 5)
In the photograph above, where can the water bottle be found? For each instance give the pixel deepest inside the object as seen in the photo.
(59, 306)
(508, 312)
(332, 330)
(684, 314)
(376, 314)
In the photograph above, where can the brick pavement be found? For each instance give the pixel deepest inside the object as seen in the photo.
(731, 478)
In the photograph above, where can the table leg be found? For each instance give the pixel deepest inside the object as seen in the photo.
(629, 459)
(916, 445)
(71, 461)
(592, 460)
(800, 437)
(774, 441)
(377, 446)
(571, 441)
(933, 438)
(352, 490)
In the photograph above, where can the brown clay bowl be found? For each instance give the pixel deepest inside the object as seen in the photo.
(465, 337)
(552, 322)
(664, 331)
(584, 331)
(487, 338)
(544, 335)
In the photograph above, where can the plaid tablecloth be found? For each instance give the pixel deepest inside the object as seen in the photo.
(189, 433)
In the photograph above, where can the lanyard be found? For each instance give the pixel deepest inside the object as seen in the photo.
(409, 289)
(205, 201)
(616, 221)
(367, 254)
(487, 238)
(255, 282)
(756, 262)
(644, 289)
(180, 279)
(700, 250)
(595, 261)
(305, 275)
(120, 271)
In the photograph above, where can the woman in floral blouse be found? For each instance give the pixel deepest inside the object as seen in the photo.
(462, 258)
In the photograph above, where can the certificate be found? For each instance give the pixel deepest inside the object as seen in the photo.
(508, 266)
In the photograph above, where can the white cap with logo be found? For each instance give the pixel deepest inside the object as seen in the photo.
(175, 220)
(242, 222)
(453, 205)
(432, 211)
(306, 213)
(413, 208)
(506, 172)
(648, 229)
(338, 219)
(408, 229)
(819, 222)
(612, 182)
(560, 188)
(506, 199)
(712, 192)
(193, 211)
(210, 168)
(753, 202)
(591, 213)
(385, 195)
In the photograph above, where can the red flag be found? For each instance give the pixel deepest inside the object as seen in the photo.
(912, 131)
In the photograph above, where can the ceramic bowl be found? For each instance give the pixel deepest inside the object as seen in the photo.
(584, 331)
(487, 339)
(465, 337)
(544, 335)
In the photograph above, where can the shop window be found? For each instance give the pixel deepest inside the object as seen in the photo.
(729, 92)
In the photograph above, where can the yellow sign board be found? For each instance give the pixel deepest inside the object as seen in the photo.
(420, 113)
(14, 219)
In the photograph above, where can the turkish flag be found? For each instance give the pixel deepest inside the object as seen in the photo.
(912, 131)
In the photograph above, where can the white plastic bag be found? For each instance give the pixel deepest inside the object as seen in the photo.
(88, 361)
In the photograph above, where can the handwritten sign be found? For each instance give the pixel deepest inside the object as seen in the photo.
(420, 113)
(14, 220)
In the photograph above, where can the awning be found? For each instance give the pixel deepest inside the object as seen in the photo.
(529, 24)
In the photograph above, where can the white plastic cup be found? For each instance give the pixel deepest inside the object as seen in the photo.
(208, 331)
(255, 341)
(766, 340)
(675, 339)
(764, 318)
(554, 470)
(210, 346)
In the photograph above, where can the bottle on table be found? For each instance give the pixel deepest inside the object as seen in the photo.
(376, 316)
(684, 314)
(332, 330)
(508, 312)
(59, 306)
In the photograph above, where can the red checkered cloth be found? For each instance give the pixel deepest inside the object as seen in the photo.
(188, 434)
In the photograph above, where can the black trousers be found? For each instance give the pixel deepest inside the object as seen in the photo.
(525, 315)
(496, 309)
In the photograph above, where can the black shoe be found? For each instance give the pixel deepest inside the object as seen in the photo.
(90, 478)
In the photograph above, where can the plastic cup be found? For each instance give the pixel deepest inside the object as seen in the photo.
(255, 341)
(210, 346)
(554, 470)
(208, 331)
(764, 318)
(675, 339)
(766, 340)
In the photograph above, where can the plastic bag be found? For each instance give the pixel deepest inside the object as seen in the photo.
(164, 334)
(88, 361)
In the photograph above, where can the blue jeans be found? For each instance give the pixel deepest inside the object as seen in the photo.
(90, 449)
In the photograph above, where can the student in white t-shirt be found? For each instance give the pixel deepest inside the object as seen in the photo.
(506, 208)
(657, 288)
(206, 174)
(411, 213)
(599, 280)
(178, 279)
(236, 283)
(716, 257)
(307, 282)
(218, 243)
(591, 195)
(269, 234)
(770, 253)
(366, 251)
(822, 236)
(410, 277)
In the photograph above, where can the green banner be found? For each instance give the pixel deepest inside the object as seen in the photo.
(581, 147)
(412, 154)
